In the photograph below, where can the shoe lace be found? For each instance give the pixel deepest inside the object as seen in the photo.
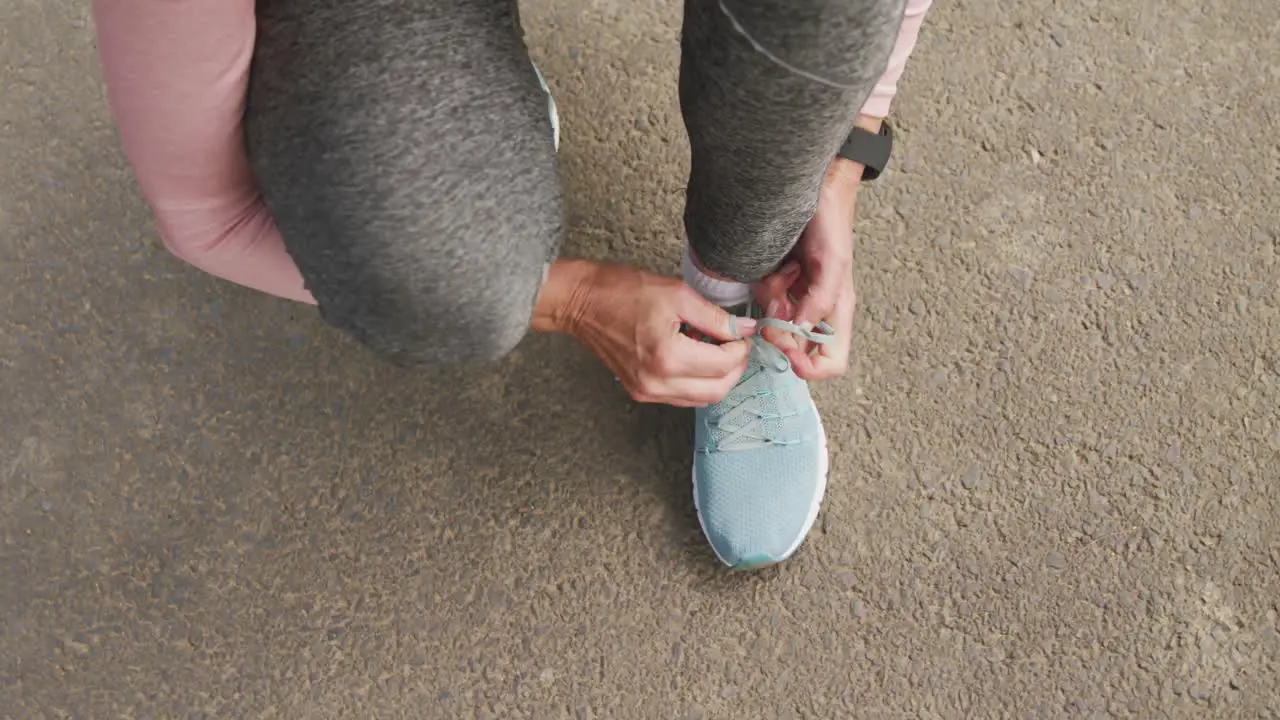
(754, 415)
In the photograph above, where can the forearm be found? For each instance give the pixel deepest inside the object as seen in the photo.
(176, 74)
(877, 105)
(243, 247)
(844, 176)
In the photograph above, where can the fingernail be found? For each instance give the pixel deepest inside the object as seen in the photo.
(745, 326)
(772, 310)
(789, 267)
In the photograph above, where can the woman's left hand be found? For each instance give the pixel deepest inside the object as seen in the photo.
(818, 275)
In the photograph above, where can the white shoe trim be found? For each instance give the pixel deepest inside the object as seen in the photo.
(551, 109)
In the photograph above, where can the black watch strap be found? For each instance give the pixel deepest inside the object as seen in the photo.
(870, 150)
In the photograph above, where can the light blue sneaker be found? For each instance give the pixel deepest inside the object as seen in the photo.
(760, 459)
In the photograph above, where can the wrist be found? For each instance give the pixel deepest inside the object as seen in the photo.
(840, 189)
(844, 176)
(848, 173)
(562, 300)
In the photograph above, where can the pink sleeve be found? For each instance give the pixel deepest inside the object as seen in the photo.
(878, 104)
(176, 75)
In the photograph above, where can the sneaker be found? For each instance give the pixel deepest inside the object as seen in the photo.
(760, 458)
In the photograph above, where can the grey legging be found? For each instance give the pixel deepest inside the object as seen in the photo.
(404, 149)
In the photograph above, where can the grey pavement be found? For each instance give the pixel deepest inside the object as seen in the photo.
(1056, 461)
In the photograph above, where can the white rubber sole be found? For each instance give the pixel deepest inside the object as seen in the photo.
(824, 465)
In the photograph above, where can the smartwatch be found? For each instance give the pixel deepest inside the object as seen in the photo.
(868, 149)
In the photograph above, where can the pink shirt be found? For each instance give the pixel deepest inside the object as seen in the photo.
(176, 75)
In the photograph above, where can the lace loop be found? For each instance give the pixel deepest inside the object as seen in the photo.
(776, 359)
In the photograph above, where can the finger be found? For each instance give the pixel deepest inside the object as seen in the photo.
(784, 309)
(779, 338)
(648, 399)
(818, 302)
(831, 359)
(790, 268)
(772, 293)
(691, 358)
(774, 286)
(824, 362)
(699, 392)
(673, 402)
(712, 320)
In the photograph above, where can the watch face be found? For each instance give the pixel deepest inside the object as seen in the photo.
(870, 150)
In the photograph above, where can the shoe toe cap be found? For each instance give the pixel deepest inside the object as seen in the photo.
(759, 518)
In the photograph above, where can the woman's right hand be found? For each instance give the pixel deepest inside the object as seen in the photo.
(632, 320)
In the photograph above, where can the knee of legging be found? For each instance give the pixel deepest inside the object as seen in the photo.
(430, 283)
(445, 278)
(429, 314)
(423, 232)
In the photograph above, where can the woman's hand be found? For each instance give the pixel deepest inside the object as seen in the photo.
(816, 283)
(632, 321)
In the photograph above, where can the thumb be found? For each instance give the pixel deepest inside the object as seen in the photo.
(771, 292)
(712, 320)
(818, 300)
